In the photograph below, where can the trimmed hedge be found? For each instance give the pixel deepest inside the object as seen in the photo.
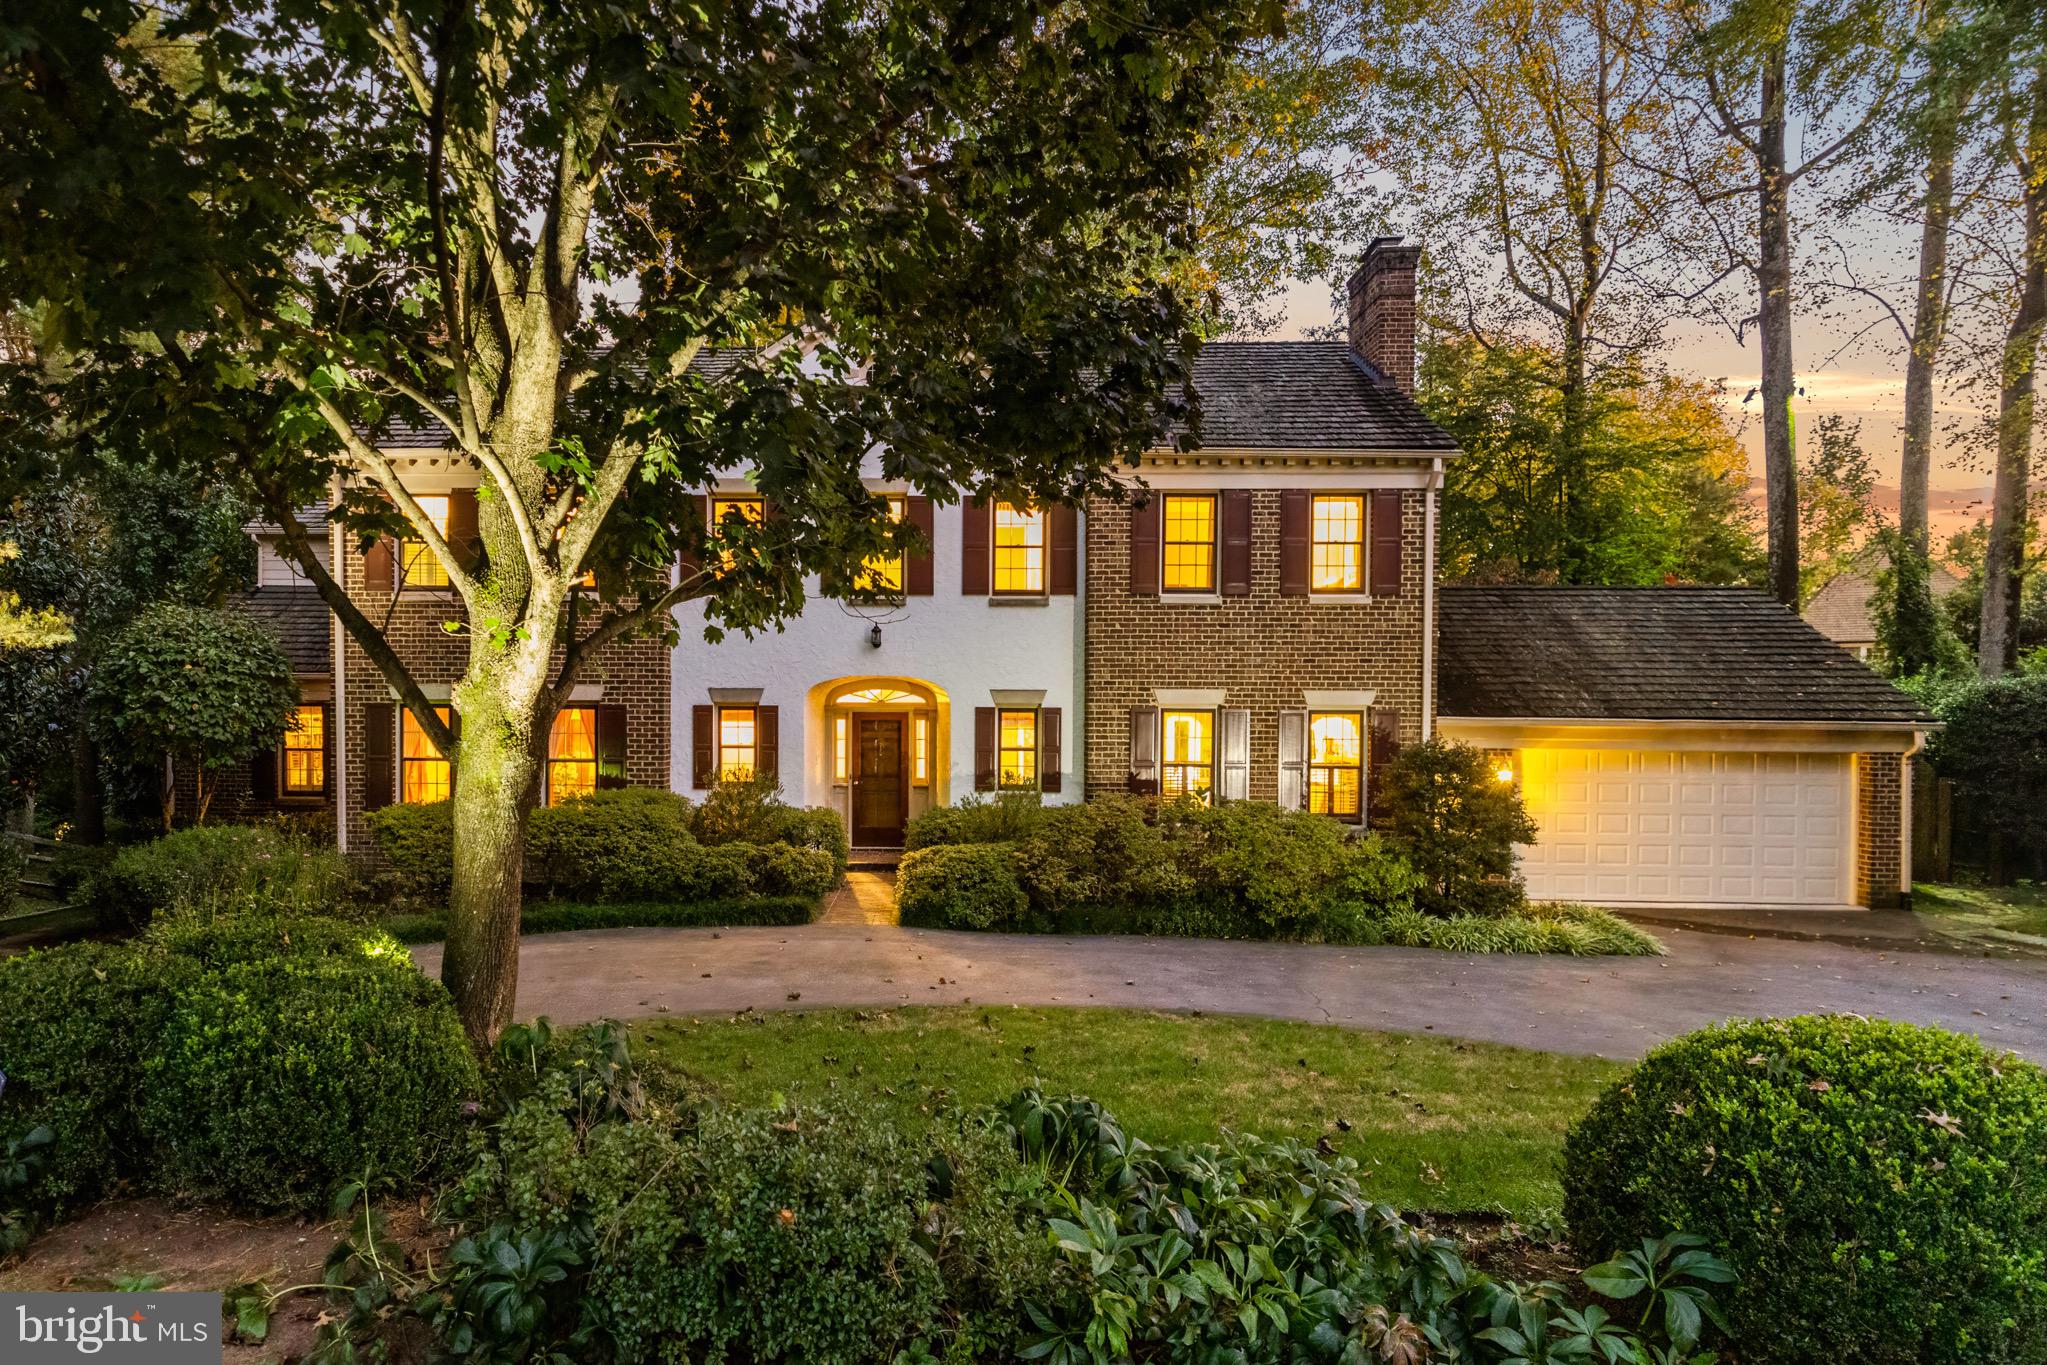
(1881, 1188)
(262, 1063)
(961, 886)
(555, 917)
(570, 848)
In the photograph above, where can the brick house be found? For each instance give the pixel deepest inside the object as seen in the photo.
(1258, 618)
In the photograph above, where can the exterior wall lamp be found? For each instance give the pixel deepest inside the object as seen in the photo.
(874, 635)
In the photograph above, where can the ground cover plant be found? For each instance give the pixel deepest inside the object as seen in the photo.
(1434, 1123)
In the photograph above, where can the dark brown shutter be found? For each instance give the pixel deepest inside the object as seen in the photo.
(1236, 578)
(463, 538)
(1144, 545)
(379, 755)
(977, 533)
(1385, 744)
(1294, 519)
(1144, 750)
(263, 773)
(703, 733)
(917, 566)
(984, 748)
(376, 566)
(1065, 571)
(1048, 749)
(610, 747)
(767, 739)
(691, 558)
(1386, 564)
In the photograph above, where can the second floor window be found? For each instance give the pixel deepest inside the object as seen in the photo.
(884, 573)
(417, 564)
(572, 754)
(1338, 564)
(745, 508)
(1019, 550)
(1016, 759)
(427, 776)
(305, 753)
(1189, 543)
(738, 743)
(1336, 763)
(1189, 747)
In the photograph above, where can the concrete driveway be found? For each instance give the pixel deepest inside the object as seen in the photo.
(1609, 1007)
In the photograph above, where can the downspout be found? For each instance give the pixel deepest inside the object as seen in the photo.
(1429, 597)
(339, 777)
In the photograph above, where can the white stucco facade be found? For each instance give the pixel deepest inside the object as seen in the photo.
(951, 653)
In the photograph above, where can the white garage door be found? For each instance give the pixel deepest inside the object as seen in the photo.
(1650, 827)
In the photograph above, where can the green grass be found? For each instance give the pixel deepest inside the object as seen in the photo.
(1436, 1124)
(2007, 918)
(556, 917)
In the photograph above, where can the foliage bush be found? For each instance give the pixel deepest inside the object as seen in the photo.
(418, 840)
(571, 848)
(1110, 851)
(212, 871)
(1569, 930)
(1881, 1188)
(1993, 746)
(977, 819)
(259, 1061)
(1457, 824)
(961, 886)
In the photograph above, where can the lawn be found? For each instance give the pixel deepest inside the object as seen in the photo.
(1436, 1124)
(2011, 919)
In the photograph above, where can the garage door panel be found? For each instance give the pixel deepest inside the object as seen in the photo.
(1688, 828)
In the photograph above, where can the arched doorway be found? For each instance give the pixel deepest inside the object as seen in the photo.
(884, 746)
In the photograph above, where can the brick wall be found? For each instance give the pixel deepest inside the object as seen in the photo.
(1879, 830)
(1380, 310)
(633, 673)
(1262, 649)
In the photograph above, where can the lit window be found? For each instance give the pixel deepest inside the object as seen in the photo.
(880, 696)
(839, 745)
(1190, 543)
(1019, 550)
(883, 574)
(1339, 559)
(420, 567)
(427, 775)
(305, 752)
(1189, 769)
(746, 509)
(737, 751)
(1336, 763)
(1016, 759)
(572, 754)
(920, 748)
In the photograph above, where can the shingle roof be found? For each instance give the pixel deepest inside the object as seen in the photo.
(1712, 654)
(1840, 609)
(1304, 395)
(312, 516)
(300, 619)
(1270, 395)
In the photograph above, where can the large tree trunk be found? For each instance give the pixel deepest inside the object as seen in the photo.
(1773, 280)
(2010, 501)
(1929, 328)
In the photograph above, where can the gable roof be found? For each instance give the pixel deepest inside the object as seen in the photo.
(1255, 395)
(300, 620)
(1708, 654)
(1840, 609)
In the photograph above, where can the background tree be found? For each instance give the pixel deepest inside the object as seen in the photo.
(1993, 746)
(193, 688)
(1662, 482)
(1837, 516)
(948, 231)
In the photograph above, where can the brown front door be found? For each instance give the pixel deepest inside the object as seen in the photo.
(881, 798)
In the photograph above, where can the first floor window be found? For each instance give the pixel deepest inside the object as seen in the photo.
(427, 776)
(305, 753)
(1189, 767)
(1016, 759)
(572, 754)
(1336, 763)
(417, 563)
(1019, 550)
(738, 743)
(1189, 543)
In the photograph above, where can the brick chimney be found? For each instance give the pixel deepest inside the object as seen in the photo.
(1382, 310)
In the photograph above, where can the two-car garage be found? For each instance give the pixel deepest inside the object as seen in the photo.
(1682, 746)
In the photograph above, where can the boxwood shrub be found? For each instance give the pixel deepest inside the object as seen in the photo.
(418, 840)
(571, 847)
(961, 886)
(1880, 1188)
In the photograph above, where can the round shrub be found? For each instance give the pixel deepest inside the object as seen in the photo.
(977, 819)
(418, 840)
(682, 872)
(1457, 824)
(571, 848)
(74, 1022)
(818, 828)
(1881, 1188)
(273, 1079)
(790, 870)
(1105, 852)
(960, 886)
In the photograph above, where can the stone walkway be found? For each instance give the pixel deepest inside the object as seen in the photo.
(1615, 1007)
(866, 896)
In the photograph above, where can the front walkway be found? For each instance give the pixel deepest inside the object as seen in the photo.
(866, 896)
(1615, 1007)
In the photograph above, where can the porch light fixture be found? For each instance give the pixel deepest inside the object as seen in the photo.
(874, 635)
(1504, 773)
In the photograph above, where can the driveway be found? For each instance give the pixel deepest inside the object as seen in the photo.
(1609, 1007)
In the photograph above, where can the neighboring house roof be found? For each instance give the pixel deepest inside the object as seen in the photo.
(1277, 395)
(1840, 609)
(312, 516)
(1711, 654)
(300, 619)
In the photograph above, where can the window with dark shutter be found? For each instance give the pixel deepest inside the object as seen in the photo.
(691, 560)
(1048, 749)
(768, 720)
(1386, 547)
(1236, 577)
(977, 520)
(917, 572)
(611, 747)
(1294, 531)
(703, 737)
(463, 536)
(1144, 546)
(379, 750)
(376, 566)
(984, 748)
(1065, 550)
